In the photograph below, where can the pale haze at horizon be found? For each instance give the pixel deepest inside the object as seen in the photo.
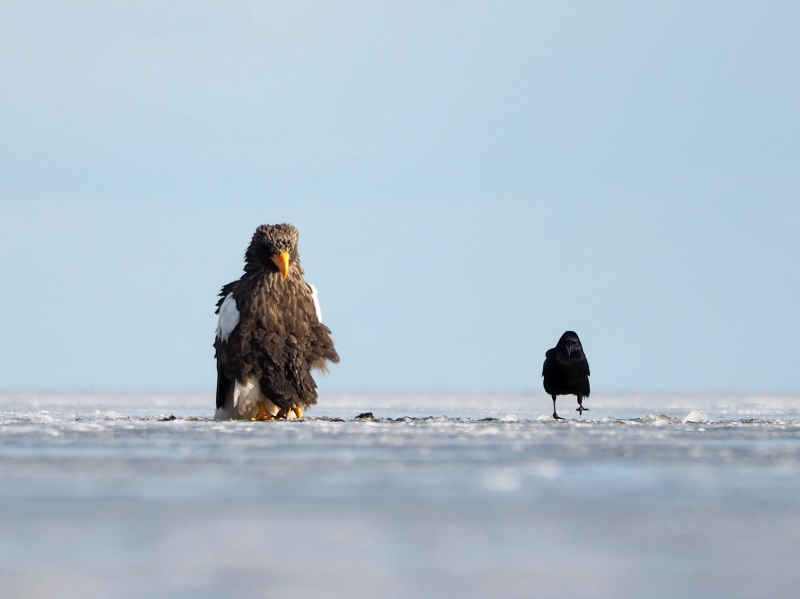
(470, 180)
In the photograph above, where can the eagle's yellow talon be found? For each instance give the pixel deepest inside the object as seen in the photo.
(298, 412)
(262, 413)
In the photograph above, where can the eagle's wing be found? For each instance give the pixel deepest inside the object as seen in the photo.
(229, 317)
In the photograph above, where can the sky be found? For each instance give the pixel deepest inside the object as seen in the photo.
(470, 180)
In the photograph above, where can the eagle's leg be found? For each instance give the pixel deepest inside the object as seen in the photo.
(298, 412)
(262, 413)
(282, 413)
(556, 416)
(580, 407)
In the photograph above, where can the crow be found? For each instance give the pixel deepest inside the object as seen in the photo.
(566, 371)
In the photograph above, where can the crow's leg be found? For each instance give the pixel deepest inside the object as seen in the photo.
(580, 407)
(556, 416)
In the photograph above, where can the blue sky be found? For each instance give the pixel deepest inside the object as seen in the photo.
(470, 180)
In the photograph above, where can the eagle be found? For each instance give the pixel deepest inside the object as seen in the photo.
(566, 371)
(270, 333)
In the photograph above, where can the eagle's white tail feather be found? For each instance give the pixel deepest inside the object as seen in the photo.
(242, 403)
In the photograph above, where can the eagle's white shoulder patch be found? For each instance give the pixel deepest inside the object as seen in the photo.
(228, 317)
(315, 297)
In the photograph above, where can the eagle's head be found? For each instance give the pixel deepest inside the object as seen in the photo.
(273, 248)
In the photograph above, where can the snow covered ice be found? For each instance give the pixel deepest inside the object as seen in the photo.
(435, 496)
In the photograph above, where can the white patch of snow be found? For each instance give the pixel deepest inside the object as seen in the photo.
(501, 479)
(547, 469)
(698, 416)
(659, 419)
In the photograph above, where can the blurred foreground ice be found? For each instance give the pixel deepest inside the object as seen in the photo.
(440, 496)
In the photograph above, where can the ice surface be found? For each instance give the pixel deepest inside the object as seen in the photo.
(445, 496)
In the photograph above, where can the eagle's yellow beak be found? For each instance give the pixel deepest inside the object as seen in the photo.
(282, 262)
